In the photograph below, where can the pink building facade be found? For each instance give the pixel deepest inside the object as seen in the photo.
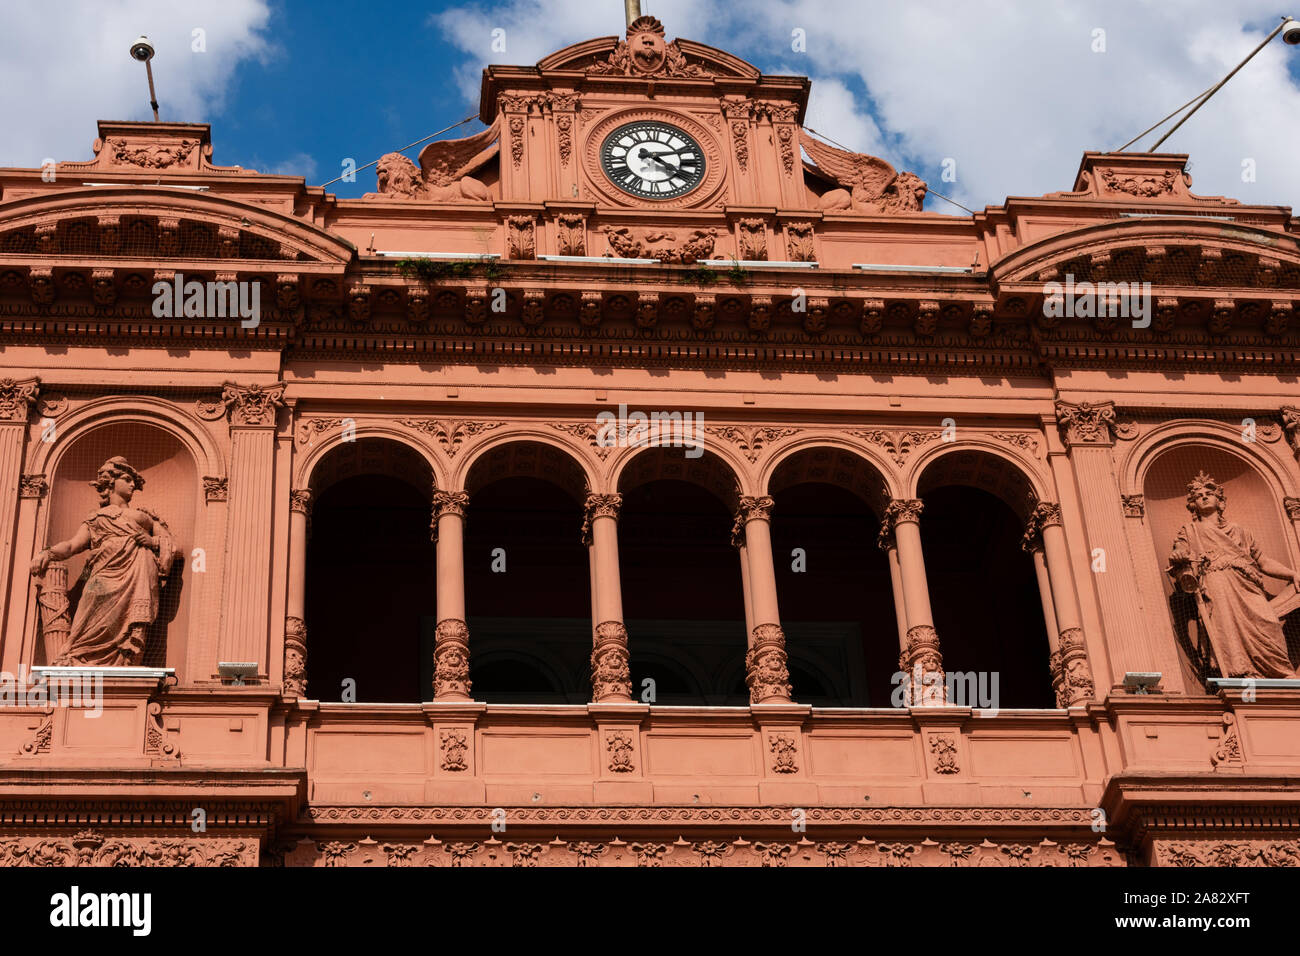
(642, 481)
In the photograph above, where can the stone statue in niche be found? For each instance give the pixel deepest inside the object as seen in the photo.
(1220, 563)
(131, 553)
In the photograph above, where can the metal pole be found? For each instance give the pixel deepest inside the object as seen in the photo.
(1205, 99)
(153, 97)
(633, 9)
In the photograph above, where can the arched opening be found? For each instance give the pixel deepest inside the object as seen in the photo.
(171, 492)
(984, 593)
(833, 583)
(1251, 504)
(683, 599)
(527, 577)
(371, 575)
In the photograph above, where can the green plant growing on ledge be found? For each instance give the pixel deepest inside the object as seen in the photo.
(432, 270)
(700, 274)
(738, 275)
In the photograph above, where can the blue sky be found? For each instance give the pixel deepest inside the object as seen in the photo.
(1011, 90)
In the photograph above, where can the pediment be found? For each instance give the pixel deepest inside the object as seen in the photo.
(647, 53)
(154, 222)
(1173, 250)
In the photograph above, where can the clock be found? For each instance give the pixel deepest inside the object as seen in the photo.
(652, 160)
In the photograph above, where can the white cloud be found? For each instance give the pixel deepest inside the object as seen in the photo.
(62, 69)
(1012, 91)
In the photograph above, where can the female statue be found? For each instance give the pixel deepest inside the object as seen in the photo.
(130, 550)
(1221, 564)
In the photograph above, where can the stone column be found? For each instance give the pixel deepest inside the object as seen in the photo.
(295, 627)
(611, 680)
(451, 637)
(889, 544)
(246, 605)
(1071, 674)
(766, 668)
(16, 401)
(920, 660)
(1088, 432)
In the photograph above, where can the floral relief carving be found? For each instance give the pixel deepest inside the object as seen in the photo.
(799, 242)
(750, 440)
(89, 848)
(453, 743)
(1269, 853)
(753, 239)
(33, 486)
(944, 748)
(571, 235)
(611, 679)
(450, 434)
(784, 750)
(1229, 749)
(618, 744)
(295, 656)
(521, 237)
(1134, 505)
(898, 444)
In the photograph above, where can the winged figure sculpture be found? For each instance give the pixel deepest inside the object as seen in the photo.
(868, 184)
(444, 171)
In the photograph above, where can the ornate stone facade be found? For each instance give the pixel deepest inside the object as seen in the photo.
(1043, 456)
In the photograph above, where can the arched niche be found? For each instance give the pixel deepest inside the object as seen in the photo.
(682, 587)
(984, 593)
(370, 576)
(1251, 502)
(527, 574)
(833, 581)
(171, 490)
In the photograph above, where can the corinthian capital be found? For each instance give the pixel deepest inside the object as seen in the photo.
(17, 399)
(1087, 423)
(247, 404)
(599, 506)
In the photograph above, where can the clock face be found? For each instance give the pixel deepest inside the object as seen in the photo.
(652, 160)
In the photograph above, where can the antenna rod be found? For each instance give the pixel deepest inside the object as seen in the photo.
(633, 8)
(1215, 89)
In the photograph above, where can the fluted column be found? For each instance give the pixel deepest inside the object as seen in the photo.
(246, 607)
(1071, 673)
(767, 670)
(295, 626)
(451, 637)
(16, 401)
(920, 660)
(611, 678)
